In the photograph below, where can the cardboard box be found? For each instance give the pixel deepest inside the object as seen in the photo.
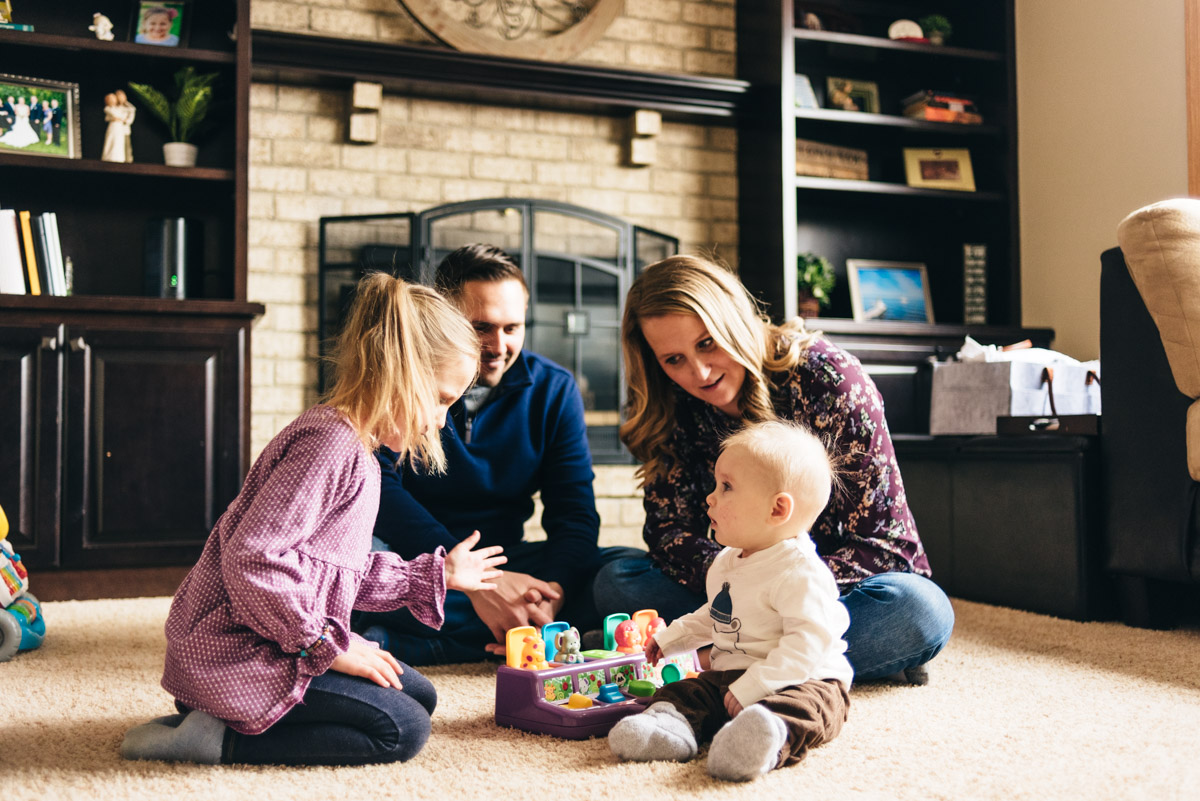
(830, 161)
(967, 397)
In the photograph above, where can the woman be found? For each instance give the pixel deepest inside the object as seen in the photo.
(701, 360)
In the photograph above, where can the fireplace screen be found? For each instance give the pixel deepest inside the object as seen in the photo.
(578, 264)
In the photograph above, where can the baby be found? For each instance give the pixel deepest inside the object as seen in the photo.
(779, 680)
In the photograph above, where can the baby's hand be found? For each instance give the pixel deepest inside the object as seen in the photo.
(470, 570)
(732, 705)
(653, 652)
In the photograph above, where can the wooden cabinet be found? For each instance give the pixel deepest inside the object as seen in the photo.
(129, 433)
(124, 417)
(882, 217)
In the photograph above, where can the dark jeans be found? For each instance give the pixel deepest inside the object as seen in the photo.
(463, 636)
(344, 720)
(897, 620)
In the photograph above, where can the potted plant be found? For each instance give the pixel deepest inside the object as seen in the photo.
(937, 29)
(814, 282)
(184, 114)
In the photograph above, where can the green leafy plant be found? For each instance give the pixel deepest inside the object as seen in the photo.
(184, 113)
(815, 276)
(936, 23)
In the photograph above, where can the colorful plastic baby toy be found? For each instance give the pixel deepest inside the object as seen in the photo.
(21, 625)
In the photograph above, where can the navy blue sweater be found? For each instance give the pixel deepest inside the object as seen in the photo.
(530, 436)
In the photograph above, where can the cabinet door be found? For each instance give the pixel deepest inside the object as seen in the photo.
(153, 442)
(31, 416)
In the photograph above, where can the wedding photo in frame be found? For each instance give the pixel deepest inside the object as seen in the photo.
(891, 291)
(39, 117)
(163, 23)
(931, 168)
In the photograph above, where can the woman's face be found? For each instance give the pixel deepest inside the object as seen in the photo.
(688, 355)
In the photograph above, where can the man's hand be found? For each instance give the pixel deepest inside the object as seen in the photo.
(732, 705)
(507, 607)
(375, 664)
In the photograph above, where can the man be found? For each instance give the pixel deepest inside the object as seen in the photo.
(518, 431)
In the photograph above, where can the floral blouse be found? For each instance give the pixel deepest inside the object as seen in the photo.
(865, 530)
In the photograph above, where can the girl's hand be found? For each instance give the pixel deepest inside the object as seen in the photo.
(366, 662)
(468, 570)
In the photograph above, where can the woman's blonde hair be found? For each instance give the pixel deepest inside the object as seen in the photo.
(396, 338)
(735, 320)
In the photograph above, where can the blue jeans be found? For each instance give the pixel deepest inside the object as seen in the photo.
(344, 720)
(463, 636)
(897, 620)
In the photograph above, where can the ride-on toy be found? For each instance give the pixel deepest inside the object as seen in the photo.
(21, 625)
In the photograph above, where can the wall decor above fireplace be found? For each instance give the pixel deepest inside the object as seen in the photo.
(551, 30)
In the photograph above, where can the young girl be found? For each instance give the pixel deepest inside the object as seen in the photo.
(156, 26)
(260, 656)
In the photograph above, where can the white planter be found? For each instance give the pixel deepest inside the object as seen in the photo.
(179, 154)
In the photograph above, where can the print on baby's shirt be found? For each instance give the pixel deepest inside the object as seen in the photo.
(726, 627)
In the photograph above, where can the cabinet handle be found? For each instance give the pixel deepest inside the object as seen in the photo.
(77, 344)
(50, 343)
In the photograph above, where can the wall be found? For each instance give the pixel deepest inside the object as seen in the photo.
(1102, 132)
(432, 152)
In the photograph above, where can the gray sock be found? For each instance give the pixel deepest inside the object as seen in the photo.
(747, 746)
(660, 732)
(198, 737)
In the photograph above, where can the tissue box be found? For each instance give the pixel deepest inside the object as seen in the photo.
(967, 397)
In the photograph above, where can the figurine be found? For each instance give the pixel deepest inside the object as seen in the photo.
(533, 654)
(119, 114)
(567, 643)
(102, 26)
(628, 637)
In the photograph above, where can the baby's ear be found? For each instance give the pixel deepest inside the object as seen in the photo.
(782, 506)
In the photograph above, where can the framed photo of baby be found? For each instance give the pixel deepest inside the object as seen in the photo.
(39, 118)
(160, 22)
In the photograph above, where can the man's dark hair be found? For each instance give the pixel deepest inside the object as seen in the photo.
(477, 262)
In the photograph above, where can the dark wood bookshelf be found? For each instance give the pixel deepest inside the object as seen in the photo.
(879, 43)
(884, 188)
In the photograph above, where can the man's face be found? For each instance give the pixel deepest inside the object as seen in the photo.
(496, 309)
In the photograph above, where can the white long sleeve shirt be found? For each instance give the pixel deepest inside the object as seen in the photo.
(775, 614)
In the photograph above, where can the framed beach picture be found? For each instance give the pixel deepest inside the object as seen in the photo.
(39, 118)
(896, 291)
(939, 169)
(160, 23)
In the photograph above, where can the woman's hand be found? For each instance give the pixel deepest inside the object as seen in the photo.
(366, 662)
(469, 570)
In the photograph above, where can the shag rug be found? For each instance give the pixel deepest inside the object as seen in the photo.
(1020, 706)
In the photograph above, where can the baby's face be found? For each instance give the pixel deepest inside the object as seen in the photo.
(740, 506)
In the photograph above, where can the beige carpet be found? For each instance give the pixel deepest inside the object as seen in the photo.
(1020, 707)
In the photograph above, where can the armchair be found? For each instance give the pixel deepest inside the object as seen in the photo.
(1150, 347)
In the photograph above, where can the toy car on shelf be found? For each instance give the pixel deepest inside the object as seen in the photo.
(21, 625)
(542, 691)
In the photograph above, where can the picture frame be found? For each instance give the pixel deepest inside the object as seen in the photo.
(934, 168)
(848, 94)
(160, 23)
(805, 96)
(24, 130)
(6, 11)
(889, 291)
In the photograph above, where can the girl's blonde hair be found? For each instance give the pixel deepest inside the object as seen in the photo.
(735, 320)
(396, 339)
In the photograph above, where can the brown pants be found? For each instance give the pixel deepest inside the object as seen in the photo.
(813, 711)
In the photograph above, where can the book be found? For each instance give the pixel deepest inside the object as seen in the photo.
(937, 106)
(56, 269)
(31, 265)
(12, 271)
(16, 26)
(42, 250)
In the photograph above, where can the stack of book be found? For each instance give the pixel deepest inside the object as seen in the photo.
(31, 257)
(935, 106)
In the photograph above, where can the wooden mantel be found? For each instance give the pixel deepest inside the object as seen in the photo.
(407, 69)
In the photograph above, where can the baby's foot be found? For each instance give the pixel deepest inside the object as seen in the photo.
(747, 746)
(660, 732)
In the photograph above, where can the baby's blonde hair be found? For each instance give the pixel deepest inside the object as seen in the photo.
(396, 339)
(797, 461)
